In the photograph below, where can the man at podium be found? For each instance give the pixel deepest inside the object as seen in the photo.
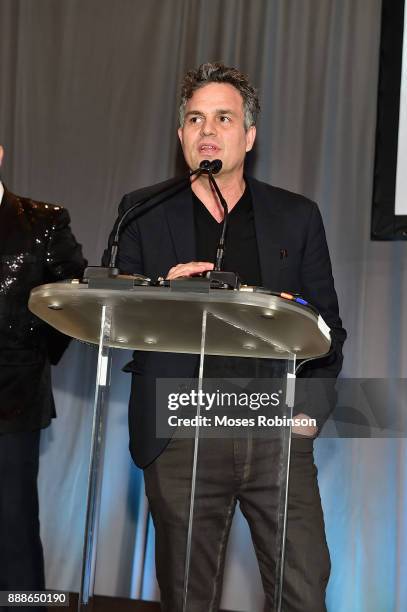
(276, 239)
(36, 247)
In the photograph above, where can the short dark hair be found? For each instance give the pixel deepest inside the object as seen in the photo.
(216, 72)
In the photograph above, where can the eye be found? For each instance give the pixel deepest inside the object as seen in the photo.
(224, 119)
(195, 119)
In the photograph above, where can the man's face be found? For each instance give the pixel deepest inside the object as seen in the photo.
(214, 128)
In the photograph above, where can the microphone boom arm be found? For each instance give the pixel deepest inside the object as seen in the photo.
(115, 243)
(220, 251)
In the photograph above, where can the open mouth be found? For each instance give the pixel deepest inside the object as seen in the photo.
(208, 149)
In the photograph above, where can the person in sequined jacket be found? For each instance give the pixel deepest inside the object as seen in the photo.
(36, 247)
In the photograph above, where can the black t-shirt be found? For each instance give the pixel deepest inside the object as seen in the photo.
(241, 254)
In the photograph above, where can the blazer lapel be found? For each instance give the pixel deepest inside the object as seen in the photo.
(180, 218)
(267, 219)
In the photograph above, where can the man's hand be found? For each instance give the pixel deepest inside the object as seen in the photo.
(304, 430)
(189, 269)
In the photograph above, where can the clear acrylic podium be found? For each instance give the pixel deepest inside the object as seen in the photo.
(190, 317)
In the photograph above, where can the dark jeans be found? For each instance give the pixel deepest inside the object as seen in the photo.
(21, 556)
(230, 471)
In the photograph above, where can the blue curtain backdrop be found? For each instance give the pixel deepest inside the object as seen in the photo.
(88, 112)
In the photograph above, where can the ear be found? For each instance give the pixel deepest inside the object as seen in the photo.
(180, 136)
(1, 154)
(250, 138)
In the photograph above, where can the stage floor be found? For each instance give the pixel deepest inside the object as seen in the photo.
(118, 604)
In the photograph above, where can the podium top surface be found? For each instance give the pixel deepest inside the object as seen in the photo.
(240, 323)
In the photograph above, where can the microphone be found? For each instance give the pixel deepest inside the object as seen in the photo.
(211, 166)
(99, 276)
(225, 278)
(216, 166)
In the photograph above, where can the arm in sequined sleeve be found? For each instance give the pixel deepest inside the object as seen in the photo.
(64, 260)
(64, 257)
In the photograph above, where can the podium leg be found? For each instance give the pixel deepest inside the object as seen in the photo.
(285, 474)
(95, 464)
(194, 465)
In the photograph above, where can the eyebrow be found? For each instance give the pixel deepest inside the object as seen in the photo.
(217, 111)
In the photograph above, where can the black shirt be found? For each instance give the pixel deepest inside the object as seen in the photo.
(241, 254)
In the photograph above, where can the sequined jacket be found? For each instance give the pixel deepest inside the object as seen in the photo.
(36, 247)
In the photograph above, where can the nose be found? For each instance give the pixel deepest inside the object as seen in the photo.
(208, 127)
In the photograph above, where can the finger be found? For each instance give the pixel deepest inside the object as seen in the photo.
(189, 269)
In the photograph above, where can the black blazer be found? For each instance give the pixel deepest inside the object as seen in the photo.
(36, 247)
(164, 235)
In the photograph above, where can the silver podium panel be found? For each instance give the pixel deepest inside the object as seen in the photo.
(168, 320)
